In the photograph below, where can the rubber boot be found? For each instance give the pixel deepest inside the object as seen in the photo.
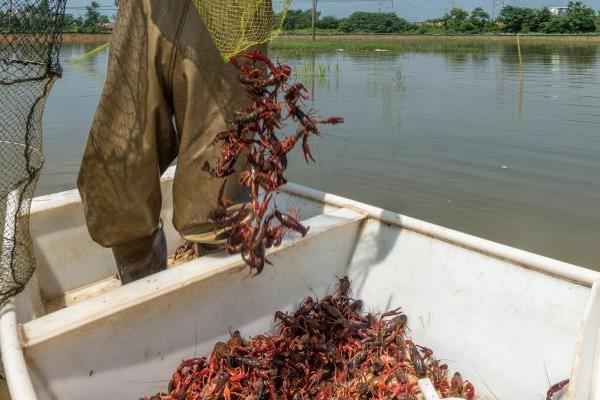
(141, 258)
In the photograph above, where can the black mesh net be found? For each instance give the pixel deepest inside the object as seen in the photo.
(30, 32)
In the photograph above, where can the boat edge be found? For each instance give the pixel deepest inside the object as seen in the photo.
(523, 258)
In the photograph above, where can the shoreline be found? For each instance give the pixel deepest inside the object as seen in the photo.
(85, 38)
(360, 43)
(97, 38)
(444, 37)
(66, 37)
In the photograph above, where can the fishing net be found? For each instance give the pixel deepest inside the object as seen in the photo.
(30, 32)
(236, 25)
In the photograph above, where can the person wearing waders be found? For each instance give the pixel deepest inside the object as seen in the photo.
(167, 94)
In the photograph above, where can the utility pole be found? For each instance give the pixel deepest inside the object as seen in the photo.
(386, 6)
(497, 4)
(314, 19)
(9, 14)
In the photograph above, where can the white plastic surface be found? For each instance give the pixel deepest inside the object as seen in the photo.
(127, 343)
(513, 255)
(67, 257)
(428, 390)
(13, 362)
(502, 326)
(501, 316)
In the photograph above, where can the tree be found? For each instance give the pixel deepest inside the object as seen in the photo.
(540, 19)
(94, 20)
(369, 22)
(298, 19)
(479, 18)
(556, 24)
(580, 18)
(328, 22)
(72, 24)
(454, 18)
(516, 19)
(27, 18)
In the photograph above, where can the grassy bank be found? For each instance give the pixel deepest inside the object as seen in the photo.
(85, 38)
(330, 32)
(399, 42)
(66, 38)
(301, 39)
(387, 42)
(496, 37)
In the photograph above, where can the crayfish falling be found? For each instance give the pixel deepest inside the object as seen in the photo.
(258, 225)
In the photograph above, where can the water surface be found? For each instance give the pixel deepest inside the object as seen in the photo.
(458, 135)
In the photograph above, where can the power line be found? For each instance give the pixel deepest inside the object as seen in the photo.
(314, 19)
(386, 6)
(497, 4)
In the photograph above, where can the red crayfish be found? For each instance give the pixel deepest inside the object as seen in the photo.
(327, 349)
(259, 225)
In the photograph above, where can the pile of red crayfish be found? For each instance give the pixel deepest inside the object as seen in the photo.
(327, 349)
(253, 139)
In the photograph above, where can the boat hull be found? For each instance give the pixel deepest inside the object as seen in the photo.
(505, 318)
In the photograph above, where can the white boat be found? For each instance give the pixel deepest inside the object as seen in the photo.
(510, 321)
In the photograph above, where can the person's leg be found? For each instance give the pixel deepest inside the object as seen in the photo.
(132, 141)
(140, 258)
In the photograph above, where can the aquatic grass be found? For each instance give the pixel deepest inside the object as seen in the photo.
(321, 73)
(304, 72)
(371, 48)
(322, 70)
(398, 73)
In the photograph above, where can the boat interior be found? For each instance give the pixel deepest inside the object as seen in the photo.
(81, 330)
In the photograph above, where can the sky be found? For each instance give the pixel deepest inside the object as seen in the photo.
(414, 10)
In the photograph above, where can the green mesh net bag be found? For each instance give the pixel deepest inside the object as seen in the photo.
(236, 25)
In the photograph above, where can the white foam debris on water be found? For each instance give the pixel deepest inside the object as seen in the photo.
(339, 49)
(504, 167)
(381, 50)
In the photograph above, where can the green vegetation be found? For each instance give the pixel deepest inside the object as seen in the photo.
(21, 20)
(578, 19)
(320, 74)
(374, 23)
(455, 46)
(31, 17)
(94, 21)
(298, 19)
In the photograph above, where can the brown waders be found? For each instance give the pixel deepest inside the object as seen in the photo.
(167, 93)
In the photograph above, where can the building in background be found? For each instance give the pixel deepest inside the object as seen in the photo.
(558, 10)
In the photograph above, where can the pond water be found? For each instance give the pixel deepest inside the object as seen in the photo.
(459, 135)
